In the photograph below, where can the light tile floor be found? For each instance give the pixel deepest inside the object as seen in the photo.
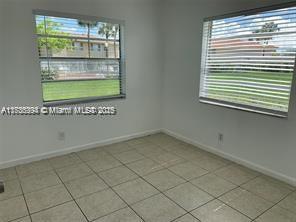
(155, 178)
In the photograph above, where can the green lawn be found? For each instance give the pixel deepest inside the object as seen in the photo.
(79, 89)
(252, 88)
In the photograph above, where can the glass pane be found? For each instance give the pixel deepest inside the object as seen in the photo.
(104, 49)
(77, 48)
(40, 27)
(46, 73)
(65, 27)
(65, 47)
(73, 65)
(105, 31)
(62, 90)
(42, 47)
(82, 69)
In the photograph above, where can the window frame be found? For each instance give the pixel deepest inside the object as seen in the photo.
(122, 59)
(237, 106)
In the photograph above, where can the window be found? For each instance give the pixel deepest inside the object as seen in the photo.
(100, 46)
(73, 69)
(95, 47)
(77, 45)
(248, 60)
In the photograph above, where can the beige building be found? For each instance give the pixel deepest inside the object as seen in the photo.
(242, 48)
(79, 49)
(91, 60)
(98, 49)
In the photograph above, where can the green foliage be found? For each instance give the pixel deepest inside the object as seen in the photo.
(107, 30)
(52, 28)
(48, 75)
(267, 28)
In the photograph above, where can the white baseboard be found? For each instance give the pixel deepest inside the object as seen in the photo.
(64, 151)
(246, 163)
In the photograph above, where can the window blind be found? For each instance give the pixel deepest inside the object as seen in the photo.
(248, 60)
(80, 57)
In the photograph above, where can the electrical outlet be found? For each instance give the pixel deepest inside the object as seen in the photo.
(61, 136)
(220, 137)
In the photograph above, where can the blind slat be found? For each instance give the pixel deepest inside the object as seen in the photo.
(247, 56)
(247, 92)
(243, 64)
(291, 12)
(241, 68)
(277, 90)
(80, 59)
(237, 82)
(248, 60)
(254, 25)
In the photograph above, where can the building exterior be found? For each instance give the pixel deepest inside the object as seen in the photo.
(96, 59)
(98, 49)
(245, 47)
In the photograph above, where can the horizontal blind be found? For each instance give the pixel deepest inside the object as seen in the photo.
(248, 61)
(79, 59)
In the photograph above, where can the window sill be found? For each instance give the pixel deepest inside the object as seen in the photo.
(82, 100)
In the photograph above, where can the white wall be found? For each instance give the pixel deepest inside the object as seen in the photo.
(139, 112)
(258, 139)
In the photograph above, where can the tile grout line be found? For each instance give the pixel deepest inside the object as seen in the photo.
(73, 199)
(139, 176)
(186, 181)
(23, 195)
(62, 183)
(156, 188)
(160, 192)
(127, 205)
(186, 160)
(43, 188)
(156, 194)
(214, 198)
(237, 186)
(48, 208)
(16, 195)
(240, 186)
(274, 206)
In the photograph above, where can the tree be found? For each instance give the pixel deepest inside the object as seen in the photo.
(52, 28)
(88, 25)
(114, 34)
(266, 28)
(107, 30)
